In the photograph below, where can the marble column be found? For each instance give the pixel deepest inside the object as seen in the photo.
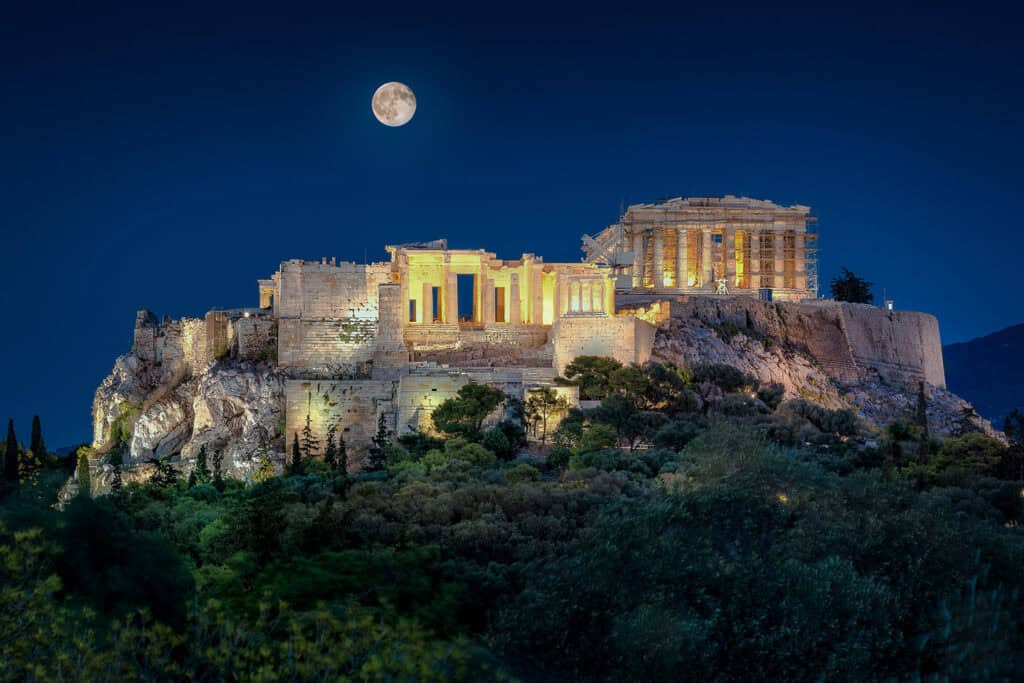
(638, 260)
(681, 264)
(780, 259)
(754, 267)
(658, 260)
(488, 307)
(705, 258)
(800, 261)
(451, 300)
(562, 302)
(729, 254)
(426, 314)
(538, 295)
(513, 315)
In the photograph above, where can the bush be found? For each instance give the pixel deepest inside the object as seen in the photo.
(522, 472)
(495, 441)
(558, 457)
(676, 434)
(725, 377)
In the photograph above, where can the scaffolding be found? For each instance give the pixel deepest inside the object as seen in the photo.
(811, 255)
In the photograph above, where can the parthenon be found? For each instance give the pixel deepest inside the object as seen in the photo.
(734, 245)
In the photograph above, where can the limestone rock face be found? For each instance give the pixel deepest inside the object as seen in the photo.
(823, 354)
(232, 407)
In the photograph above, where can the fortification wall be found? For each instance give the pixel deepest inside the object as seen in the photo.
(255, 338)
(172, 347)
(847, 340)
(355, 406)
(626, 339)
(898, 344)
(313, 290)
(311, 343)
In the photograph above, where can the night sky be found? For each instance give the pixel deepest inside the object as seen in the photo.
(168, 159)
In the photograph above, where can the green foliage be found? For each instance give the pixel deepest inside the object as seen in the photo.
(310, 444)
(378, 452)
(11, 454)
(201, 471)
(723, 547)
(849, 287)
(726, 377)
(592, 374)
(522, 473)
(82, 474)
(464, 414)
(295, 467)
(496, 442)
(542, 405)
(165, 475)
(37, 445)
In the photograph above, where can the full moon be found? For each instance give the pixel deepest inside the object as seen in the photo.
(393, 104)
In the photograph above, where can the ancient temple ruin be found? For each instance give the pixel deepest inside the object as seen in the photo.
(732, 245)
(353, 345)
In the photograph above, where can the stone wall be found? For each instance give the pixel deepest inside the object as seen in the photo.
(171, 348)
(354, 405)
(312, 290)
(255, 338)
(347, 342)
(847, 340)
(626, 339)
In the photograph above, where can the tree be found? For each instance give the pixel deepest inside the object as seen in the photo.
(296, 465)
(310, 444)
(11, 454)
(36, 444)
(83, 475)
(541, 405)
(116, 462)
(218, 470)
(265, 468)
(381, 440)
(331, 448)
(200, 473)
(465, 414)
(342, 454)
(849, 287)
(165, 475)
(592, 374)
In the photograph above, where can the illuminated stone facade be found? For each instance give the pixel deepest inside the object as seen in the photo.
(732, 245)
(392, 340)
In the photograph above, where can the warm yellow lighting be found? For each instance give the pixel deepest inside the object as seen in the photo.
(666, 281)
(782, 498)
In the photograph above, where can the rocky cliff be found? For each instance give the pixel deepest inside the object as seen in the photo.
(836, 355)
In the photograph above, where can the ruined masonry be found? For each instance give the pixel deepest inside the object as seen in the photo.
(347, 344)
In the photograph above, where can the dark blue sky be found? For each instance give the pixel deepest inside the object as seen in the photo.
(169, 158)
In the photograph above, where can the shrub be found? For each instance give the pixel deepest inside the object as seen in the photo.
(495, 441)
(522, 472)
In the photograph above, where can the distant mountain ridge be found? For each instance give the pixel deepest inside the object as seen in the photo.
(989, 372)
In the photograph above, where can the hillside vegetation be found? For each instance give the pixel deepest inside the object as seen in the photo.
(692, 526)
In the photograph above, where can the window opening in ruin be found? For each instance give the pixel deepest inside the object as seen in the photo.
(467, 299)
(412, 310)
(499, 305)
(435, 305)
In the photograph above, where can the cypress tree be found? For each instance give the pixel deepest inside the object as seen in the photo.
(342, 454)
(310, 444)
(11, 454)
(218, 470)
(200, 473)
(116, 461)
(378, 460)
(330, 448)
(296, 455)
(83, 475)
(36, 444)
(265, 470)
